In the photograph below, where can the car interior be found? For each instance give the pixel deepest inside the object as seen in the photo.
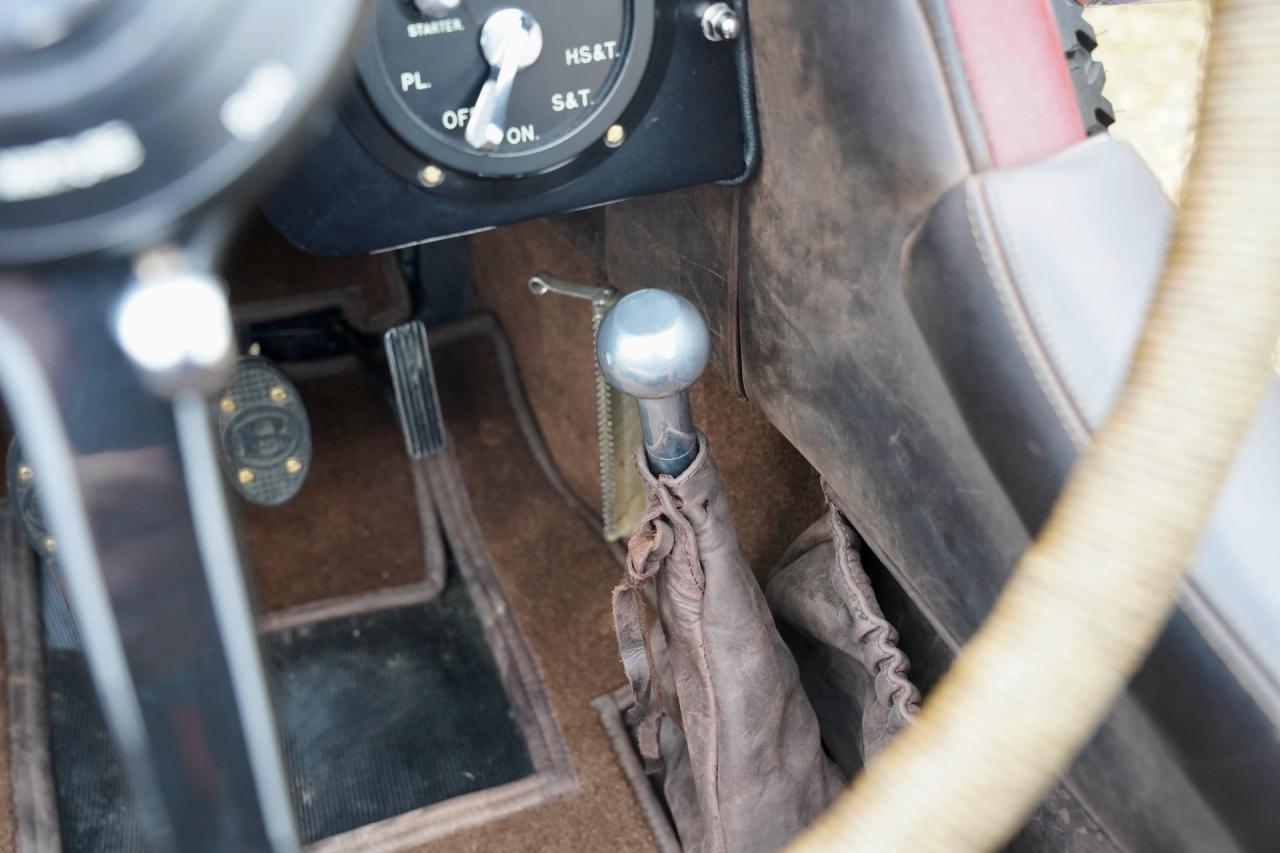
(591, 425)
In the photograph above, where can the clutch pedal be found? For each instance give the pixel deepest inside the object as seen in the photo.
(265, 433)
(417, 398)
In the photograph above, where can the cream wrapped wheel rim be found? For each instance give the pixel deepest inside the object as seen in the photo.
(1091, 594)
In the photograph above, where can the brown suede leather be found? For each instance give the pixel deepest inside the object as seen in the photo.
(853, 670)
(744, 763)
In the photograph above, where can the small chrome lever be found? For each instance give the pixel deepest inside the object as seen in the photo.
(511, 41)
(544, 283)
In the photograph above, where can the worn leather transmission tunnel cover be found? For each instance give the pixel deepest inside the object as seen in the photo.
(717, 692)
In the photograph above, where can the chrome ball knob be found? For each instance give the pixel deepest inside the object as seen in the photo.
(653, 344)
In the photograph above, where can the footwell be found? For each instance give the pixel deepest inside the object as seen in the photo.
(380, 714)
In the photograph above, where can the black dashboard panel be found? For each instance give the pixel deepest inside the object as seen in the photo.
(487, 115)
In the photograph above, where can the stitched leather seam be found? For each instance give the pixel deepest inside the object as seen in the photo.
(1018, 323)
(693, 554)
(969, 124)
(1036, 314)
(891, 660)
(671, 508)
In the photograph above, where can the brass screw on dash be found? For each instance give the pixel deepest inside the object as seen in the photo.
(431, 176)
(279, 394)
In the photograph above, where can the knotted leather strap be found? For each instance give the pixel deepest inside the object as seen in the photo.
(661, 535)
(887, 661)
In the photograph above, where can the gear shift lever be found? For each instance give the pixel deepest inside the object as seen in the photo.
(749, 746)
(653, 345)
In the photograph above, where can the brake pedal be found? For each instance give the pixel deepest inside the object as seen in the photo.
(265, 433)
(417, 398)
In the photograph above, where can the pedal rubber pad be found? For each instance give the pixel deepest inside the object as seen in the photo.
(21, 480)
(417, 399)
(265, 433)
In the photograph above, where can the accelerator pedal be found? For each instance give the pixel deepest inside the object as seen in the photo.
(265, 433)
(417, 399)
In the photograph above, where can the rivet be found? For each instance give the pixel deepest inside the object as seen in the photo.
(245, 476)
(227, 405)
(615, 136)
(25, 473)
(292, 465)
(50, 545)
(279, 394)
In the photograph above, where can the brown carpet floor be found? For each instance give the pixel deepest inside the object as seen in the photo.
(558, 577)
(354, 526)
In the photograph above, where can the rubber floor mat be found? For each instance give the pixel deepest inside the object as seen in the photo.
(380, 714)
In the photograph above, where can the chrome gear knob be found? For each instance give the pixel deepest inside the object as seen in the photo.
(653, 345)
